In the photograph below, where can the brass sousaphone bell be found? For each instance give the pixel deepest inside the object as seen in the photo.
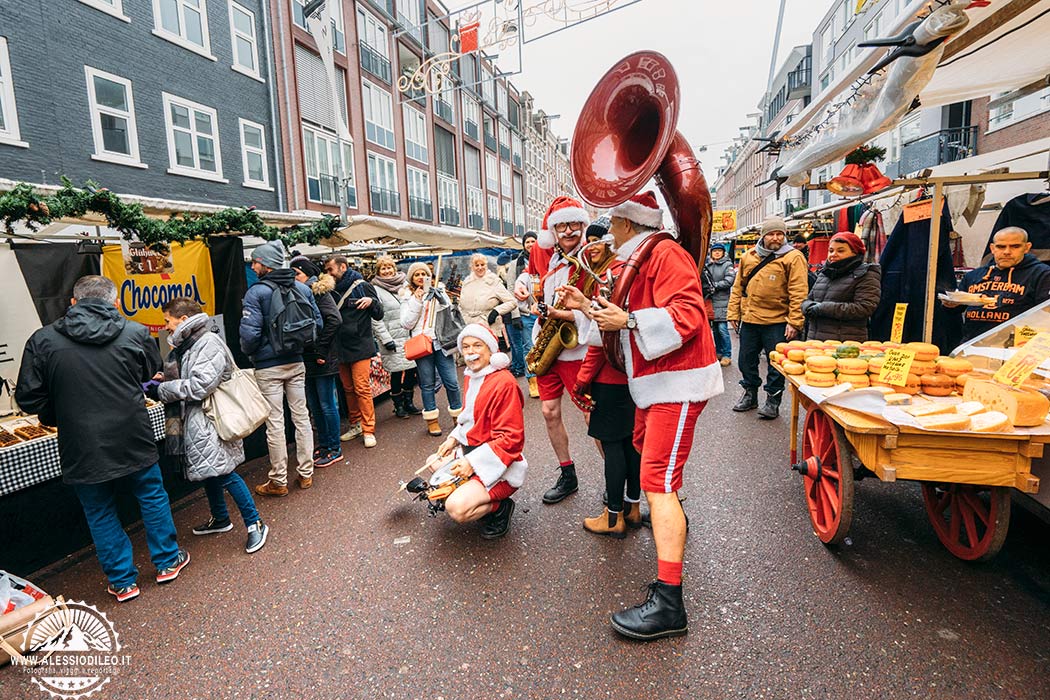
(626, 134)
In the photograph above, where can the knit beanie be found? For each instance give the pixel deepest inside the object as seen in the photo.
(598, 228)
(413, 269)
(850, 239)
(306, 266)
(527, 236)
(771, 224)
(270, 254)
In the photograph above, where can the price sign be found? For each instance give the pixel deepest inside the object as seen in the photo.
(1025, 361)
(896, 366)
(918, 211)
(897, 329)
(1023, 334)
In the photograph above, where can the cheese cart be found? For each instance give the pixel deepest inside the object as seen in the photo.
(967, 477)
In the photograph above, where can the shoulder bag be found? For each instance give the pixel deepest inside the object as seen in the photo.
(421, 345)
(236, 407)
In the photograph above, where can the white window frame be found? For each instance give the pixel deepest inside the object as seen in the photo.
(472, 113)
(378, 26)
(492, 209)
(389, 177)
(10, 135)
(114, 8)
(505, 182)
(418, 187)
(491, 172)
(367, 100)
(179, 39)
(448, 193)
(253, 40)
(415, 134)
(169, 129)
(329, 142)
(96, 112)
(1001, 117)
(338, 27)
(263, 184)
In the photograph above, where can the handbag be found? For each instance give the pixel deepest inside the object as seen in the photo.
(447, 326)
(419, 346)
(236, 407)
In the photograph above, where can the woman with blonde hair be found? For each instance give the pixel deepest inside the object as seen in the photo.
(417, 316)
(389, 283)
(484, 298)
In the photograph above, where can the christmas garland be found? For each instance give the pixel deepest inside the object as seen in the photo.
(862, 155)
(23, 204)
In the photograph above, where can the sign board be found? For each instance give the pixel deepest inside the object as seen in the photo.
(897, 329)
(18, 317)
(1025, 361)
(918, 211)
(723, 221)
(896, 366)
(1022, 334)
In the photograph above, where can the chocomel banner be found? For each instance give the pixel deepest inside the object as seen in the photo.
(149, 277)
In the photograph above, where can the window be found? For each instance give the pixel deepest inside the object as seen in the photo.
(437, 36)
(445, 151)
(501, 98)
(472, 166)
(493, 217)
(298, 16)
(508, 217)
(410, 14)
(1019, 109)
(505, 181)
(911, 127)
(419, 204)
(322, 168)
(491, 170)
(379, 115)
(415, 134)
(874, 28)
(827, 45)
(445, 107)
(382, 185)
(448, 200)
(193, 139)
(471, 117)
(504, 142)
(112, 118)
(253, 155)
(315, 94)
(183, 22)
(245, 45)
(372, 32)
(110, 7)
(487, 93)
(516, 149)
(338, 36)
(8, 112)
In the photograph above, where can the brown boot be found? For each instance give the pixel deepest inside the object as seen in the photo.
(632, 514)
(271, 488)
(454, 412)
(608, 524)
(433, 425)
(534, 388)
(305, 482)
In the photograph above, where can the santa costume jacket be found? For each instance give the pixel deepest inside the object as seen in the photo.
(550, 264)
(670, 356)
(492, 426)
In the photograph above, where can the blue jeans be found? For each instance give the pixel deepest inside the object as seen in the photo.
(429, 368)
(755, 340)
(233, 483)
(111, 542)
(323, 401)
(723, 342)
(520, 344)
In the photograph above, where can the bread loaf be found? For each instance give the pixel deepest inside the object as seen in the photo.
(1023, 407)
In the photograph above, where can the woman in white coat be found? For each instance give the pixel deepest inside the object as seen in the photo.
(391, 336)
(484, 298)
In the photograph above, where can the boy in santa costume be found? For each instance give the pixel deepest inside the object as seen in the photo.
(562, 235)
(488, 438)
(672, 371)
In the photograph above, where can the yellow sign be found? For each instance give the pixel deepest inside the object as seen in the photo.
(1025, 361)
(141, 296)
(918, 211)
(897, 329)
(896, 366)
(1023, 334)
(723, 221)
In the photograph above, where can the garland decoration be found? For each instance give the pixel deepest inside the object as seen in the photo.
(862, 155)
(23, 204)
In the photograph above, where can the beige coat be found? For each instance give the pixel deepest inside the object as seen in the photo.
(480, 296)
(774, 295)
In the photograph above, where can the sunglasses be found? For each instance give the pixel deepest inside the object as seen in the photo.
(574, 226)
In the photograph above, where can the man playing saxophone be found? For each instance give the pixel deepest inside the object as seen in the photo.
(563, 228)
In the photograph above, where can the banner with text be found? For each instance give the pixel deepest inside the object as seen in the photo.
(723, 221)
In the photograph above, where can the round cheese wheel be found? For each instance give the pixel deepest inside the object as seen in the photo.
(832, 343)
(782, 348)
(925, 352)
(875, 363)
(809, 352)
(954, 367)
(821, 379)
(921, 367)
(776, 357)
(871, 345)
(797, 344)
(793, 367)
(889, 345)
(796, 355)
(857, 380)
(853, 365)
(912, 386)
(813, 343)
(820, 363)
(854, 343)
(937, 384)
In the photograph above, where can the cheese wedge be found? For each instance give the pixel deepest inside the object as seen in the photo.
(930, 408)
(970, 408)
(1023, 407)
(991, 422)
(883, 389)
(898, 399)
(944, 421)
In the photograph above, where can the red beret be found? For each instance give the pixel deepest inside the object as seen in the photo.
(850, 239)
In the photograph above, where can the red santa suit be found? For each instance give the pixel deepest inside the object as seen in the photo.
(672, 369)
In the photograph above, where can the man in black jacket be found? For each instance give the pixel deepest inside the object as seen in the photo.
(83, 374)
(358, 304)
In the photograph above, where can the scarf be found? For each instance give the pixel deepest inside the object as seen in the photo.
(841, 268)
(184, 338)
(390, 284)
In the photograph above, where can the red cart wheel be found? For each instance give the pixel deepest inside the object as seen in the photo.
(827, 475)
(970, 521)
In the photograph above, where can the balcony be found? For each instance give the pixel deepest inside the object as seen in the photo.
(448, 215)
(944, 146)
(417, 95)
(385, 201)
(420, 209)
(494, 225)
(508, 228)
(793, 205)
(519, 231)
(385, 6)
(504, 153)
(325, 188)
(444, 110)
(475, 221)
(470, 129)
(517, 161)
(490, 142)
(373, 62)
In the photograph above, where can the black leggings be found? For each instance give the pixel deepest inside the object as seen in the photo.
(403, 381)
(622, 466)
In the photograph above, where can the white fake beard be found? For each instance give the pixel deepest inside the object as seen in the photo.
(473, 357)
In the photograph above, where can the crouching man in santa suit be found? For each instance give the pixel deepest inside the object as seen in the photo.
(488, 438)
(672, 371)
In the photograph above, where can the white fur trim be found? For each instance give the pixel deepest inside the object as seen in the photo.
(486, 464)
(679, 386)
(625, 251)
(431, 415)
(594, 336)
(567, 215)
(545, 239)
(639, 214)
(476, 330)
(656, 335)
(500, 360)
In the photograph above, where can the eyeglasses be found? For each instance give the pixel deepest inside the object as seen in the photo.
(573, 225)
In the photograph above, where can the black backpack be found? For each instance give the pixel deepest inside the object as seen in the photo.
(292, 324)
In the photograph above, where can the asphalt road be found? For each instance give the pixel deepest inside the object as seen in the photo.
(359, 594)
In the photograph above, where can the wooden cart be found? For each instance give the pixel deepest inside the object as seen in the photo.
(966, 479)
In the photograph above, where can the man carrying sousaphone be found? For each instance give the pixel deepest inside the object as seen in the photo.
(671, 371)
(563, 229)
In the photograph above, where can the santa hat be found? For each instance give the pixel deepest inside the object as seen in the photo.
(642, 209)
(562, 210)
(499, 360)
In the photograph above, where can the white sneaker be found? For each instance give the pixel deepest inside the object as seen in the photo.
(355, 431)
(370, 440)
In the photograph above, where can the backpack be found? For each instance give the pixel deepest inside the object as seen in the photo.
(292, 326)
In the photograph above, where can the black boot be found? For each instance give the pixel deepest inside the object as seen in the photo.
(749, 401)
(565, 485)
(661, 615)
(495, 525)
(408, 406)
(399, 405)
(771, 409)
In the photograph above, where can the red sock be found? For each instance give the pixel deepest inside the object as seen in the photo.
(669, 572)
(495, 506)
(566, 464)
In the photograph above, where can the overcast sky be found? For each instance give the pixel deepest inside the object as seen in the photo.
(720, 49)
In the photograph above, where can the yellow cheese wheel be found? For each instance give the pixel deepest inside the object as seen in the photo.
(791, 367)
(854, 343)
(954, 367)
(857, 380)
(1023, 407)
(776, 357)
(937, 384)
(821, 379)
(925, 352)
(853, 365)
(921, 367)
(813, 343)
(820, 363)
(782, 348)
(875, 363)
(796, 354)
(797, 344)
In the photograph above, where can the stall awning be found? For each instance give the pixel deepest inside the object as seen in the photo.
(375, 229)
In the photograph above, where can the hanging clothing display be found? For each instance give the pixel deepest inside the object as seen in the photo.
(871, 231)
(1030, 212)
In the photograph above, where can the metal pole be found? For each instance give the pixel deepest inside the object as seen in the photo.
(776, 48)
(931, 266)
(342, 167)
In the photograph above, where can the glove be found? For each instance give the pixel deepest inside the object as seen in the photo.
(517, 324)
(150, 389)
(391, 346)
(493, 315)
